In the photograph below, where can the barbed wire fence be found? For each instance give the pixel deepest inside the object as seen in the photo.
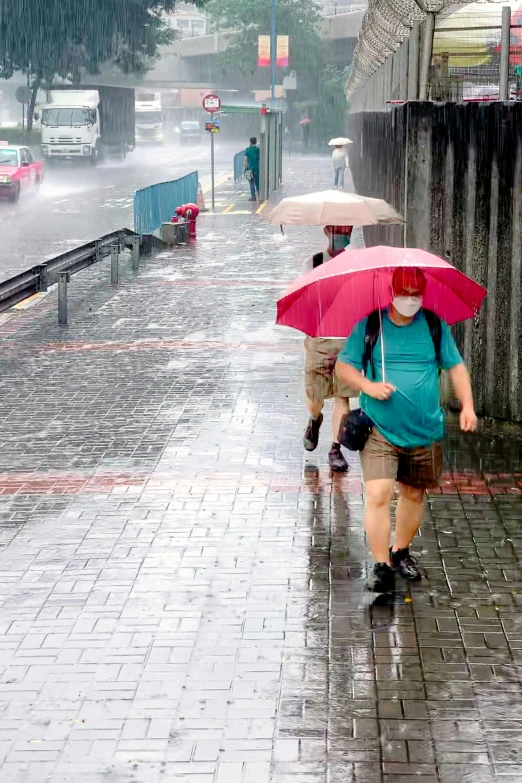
(436, 50)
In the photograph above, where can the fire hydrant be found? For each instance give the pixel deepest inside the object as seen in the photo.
(190, 213)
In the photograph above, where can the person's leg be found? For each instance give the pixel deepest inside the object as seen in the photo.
(419, 469)
(314, 408)
(341, 179)
(336, 178)
(253, 186)
(408, 515)
(378, 494)
(340, 408)
(336, 458)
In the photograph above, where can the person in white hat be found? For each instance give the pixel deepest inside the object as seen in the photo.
(340, 164)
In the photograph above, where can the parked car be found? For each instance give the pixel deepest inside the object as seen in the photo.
(18, 170)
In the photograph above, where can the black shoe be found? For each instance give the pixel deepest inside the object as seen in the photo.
(405, 565)
(382, 579)
(311, 435)
(336, 459)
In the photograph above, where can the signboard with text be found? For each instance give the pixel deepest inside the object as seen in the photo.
(211, 103)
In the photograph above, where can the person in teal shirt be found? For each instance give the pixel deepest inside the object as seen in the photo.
(403, 403)
(251, 163)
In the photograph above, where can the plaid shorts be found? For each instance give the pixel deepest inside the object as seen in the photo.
(419, 467)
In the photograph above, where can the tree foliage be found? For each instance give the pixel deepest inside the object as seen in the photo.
(49, 38)
(320, 87)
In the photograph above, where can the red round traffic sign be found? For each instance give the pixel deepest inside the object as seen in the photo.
(211, 103)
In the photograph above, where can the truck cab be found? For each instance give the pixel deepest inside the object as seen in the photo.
(71, 125)
(149, 118)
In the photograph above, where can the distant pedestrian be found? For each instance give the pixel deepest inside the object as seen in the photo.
(321, 354)
(306, 135)
(340, 164)
(402, 402)
(251, 167)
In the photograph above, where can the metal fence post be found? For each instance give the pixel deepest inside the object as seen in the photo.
(427, 52)
(114, 264)
(413, 62)
(505, 42)
(43, 284)
(63, 279)
(135, 252)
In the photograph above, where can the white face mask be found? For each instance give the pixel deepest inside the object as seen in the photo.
(407, 306)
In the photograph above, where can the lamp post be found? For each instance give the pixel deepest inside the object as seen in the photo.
(273, 53)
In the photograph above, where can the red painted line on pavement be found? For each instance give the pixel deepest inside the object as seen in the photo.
(245, 486)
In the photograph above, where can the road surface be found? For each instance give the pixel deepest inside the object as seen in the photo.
(77, 203)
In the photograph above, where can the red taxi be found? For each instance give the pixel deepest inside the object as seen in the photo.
(18, 170)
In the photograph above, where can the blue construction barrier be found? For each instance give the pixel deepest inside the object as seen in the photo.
(156, 204)
(238, 165)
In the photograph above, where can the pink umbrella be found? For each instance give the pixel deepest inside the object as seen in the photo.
(330, 300)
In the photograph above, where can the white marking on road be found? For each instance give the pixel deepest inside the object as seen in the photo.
(62, 201)
(109, 187)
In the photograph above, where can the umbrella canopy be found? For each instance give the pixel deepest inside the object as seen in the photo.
(305, 121)
(332, 208)
(341, 141)
(330, 300)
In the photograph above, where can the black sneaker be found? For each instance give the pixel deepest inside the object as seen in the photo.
(382, 579)
(405, 565)
(311, 435)
(336, 459)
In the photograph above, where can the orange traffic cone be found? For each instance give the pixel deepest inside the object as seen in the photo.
(201, 200)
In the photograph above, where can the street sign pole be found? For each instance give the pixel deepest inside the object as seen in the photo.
(212, 104)
(212, 171)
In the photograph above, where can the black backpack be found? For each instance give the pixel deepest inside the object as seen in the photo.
(373, 328)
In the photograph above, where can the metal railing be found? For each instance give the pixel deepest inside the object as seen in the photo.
(156, 204)
(238, 165)
(60, 269)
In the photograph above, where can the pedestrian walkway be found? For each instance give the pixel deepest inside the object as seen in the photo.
(182, 587)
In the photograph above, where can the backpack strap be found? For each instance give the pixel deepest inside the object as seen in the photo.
(435, 328)
(317, 260)
(371, 335)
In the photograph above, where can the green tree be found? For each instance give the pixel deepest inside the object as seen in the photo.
(320, 87)
(49, 38)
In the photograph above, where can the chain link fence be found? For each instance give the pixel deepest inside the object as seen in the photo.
(465, 59)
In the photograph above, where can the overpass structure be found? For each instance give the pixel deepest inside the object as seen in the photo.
(191, 62)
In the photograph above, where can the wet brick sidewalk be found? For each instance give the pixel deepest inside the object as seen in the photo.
(182, 591)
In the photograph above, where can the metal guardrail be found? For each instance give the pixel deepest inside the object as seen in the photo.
(238, 165)
(39, 278)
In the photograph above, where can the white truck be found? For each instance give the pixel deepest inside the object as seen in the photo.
(149, 118)
(88, 123)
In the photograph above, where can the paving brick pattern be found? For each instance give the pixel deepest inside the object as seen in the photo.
(182, 590)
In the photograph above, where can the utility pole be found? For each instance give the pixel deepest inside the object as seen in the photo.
(273, 54)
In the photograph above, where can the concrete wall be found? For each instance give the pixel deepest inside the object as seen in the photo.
(455, 172)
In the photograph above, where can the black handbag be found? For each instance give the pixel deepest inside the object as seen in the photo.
(355, 430)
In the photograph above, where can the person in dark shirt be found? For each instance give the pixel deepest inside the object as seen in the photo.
(251, 164)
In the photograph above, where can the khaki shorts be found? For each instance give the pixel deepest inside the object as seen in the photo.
(419, 467)
(321, 381)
